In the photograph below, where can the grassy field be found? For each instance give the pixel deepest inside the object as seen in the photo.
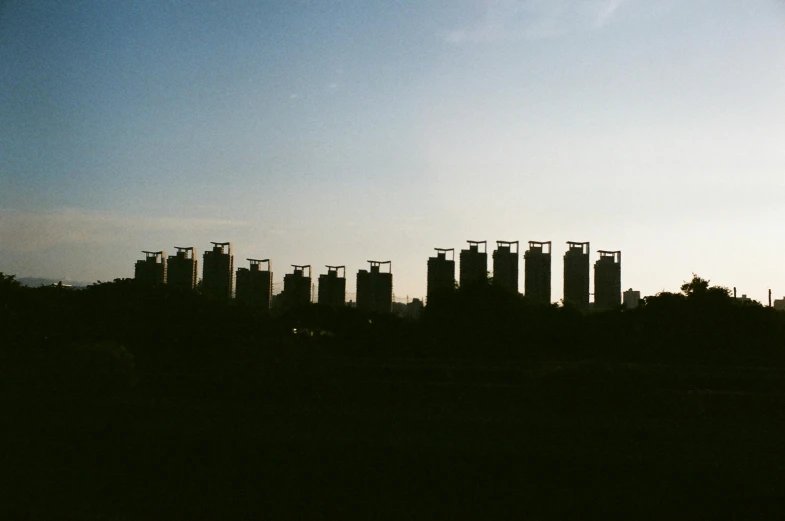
(395, 439)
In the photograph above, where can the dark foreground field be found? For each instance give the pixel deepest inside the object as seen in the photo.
(400, 439)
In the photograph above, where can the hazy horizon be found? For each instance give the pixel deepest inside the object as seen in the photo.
(337, 132)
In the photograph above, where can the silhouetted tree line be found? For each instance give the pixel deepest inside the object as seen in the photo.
(109, 333)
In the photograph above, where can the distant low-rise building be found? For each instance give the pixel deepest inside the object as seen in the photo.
(408, 309)
(631, 299)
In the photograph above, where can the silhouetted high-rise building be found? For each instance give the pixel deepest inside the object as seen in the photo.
(576, 275)
(297, 287)
(374, 288)
(441, 274)
(218, 270)
(474, 264)
(607, 280)
(151, 270)
(255, 285)
(537, 267)
(505, 265)
(182, 268)
(332, 287)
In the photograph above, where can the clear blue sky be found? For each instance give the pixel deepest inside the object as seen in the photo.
(337, 132)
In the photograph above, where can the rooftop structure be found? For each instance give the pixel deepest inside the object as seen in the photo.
(218, 270)
(297, 287)
(181, 269)
(374, 288)
(441, 274)
(576, 275)
(607, 280)
(332, 286)
(537, 267)
(505, 266)
(255, 285)
(474, 264)
(151, 270)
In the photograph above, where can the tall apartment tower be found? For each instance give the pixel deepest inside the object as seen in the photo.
(218, 270)
(505, 265)
(255, 285)
(332, 287)
(537, 268)
(151, 270)
(607, 280)
(181, 269)
(374, 288)
(297, 287)
(576, 274)
(441, 274)
(474, 264)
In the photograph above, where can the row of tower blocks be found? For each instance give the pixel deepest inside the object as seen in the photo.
(375, 285)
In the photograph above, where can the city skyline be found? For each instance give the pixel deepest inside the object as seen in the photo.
(542, 272)
(330, 134)
(258, 286)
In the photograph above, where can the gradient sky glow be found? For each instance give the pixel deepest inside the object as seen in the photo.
(336, 132)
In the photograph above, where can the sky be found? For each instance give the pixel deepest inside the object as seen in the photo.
(337, 132)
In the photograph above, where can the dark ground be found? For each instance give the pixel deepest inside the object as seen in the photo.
(397, 439)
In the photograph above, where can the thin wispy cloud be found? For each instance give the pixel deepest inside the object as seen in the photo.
(502, 20)
(27, 232)
(607, 12)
